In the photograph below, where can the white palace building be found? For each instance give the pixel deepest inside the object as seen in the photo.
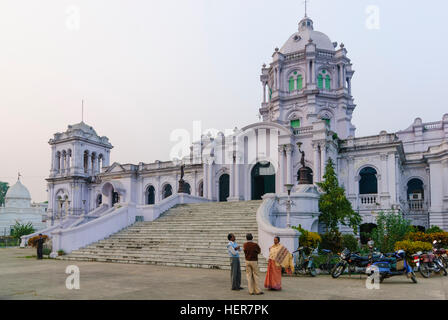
(307, 106)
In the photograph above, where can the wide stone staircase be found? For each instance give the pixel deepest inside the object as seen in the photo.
(187, 235)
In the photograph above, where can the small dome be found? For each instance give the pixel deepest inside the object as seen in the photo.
(18, 192)
(299, 40)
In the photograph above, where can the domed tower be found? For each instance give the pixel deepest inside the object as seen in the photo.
(308, 80)
(77, 157)
(18, 196)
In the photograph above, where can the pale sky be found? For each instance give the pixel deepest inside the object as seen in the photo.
(146, 68)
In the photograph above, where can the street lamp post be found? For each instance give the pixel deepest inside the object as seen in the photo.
(288, 205)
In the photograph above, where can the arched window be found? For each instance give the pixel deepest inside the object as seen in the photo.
(201, 189)
(99, 200)
(167, 191)
(324, 76)
(320, 81)
(368, 183)
(187, 188)
(295, 124)
(415, 194)
(327, 82)
(150, 195)
(299, 82)
(291, 84)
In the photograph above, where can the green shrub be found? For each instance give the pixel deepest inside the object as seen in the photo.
(308, 238)
(350, 242)
(428, 237)
(434, 229)
(61, 252)
(46, 251)
(411, 247)
(391, 227)
(22, 229)
(332, 241)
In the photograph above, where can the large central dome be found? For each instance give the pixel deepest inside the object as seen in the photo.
(299, 40)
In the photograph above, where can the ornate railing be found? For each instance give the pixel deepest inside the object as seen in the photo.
(303, 130)
(368, 199)
(416, 205)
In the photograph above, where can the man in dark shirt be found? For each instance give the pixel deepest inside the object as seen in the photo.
(40, 244)
(251, 251)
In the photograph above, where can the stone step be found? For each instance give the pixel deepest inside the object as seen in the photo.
(192, 235)
(155, 262)
(224, 262)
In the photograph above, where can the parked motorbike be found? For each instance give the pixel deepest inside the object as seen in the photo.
(329, 263)
(395, 264)
(354, 262)
(432, 262)
(440, 253)
(304, 263)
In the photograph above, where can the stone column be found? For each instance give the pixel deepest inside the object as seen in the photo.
(323, 160)
(289, 164)
(89, 163)
(63, 159)
(264, 92)
(237, 180)
(53, 160)
(232, 178)
(210, 180)
(351, 176)
(445, 178)
(316, 163)
(94, 162)
(281, 168)
(204, 180)
(68, 164)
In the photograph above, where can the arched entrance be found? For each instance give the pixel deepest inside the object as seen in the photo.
(167, 191)
(99, 200)
(187, 188)
(263, 179)
(365, 231)
(224, 186)
(150, 195)
(115, 197)
(109, 195)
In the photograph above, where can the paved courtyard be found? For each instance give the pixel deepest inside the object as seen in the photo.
(28, 278)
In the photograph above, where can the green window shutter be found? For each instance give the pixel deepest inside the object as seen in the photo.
(291, 84)
(327, 82)
(327, 121)
(295, 124)
(320, 81)
(270, 94)
(299, 82)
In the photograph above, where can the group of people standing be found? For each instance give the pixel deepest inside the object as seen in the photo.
(279, 257)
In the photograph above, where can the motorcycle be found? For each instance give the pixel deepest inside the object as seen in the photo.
(432, 262)
(395, 264)
(440, 253)
(354, 262)
(304, 264)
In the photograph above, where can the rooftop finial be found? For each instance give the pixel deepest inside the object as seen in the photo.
(306, 2)
(18, 176)
(82, 110)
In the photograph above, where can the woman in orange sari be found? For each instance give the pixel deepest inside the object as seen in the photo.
(279, 257)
